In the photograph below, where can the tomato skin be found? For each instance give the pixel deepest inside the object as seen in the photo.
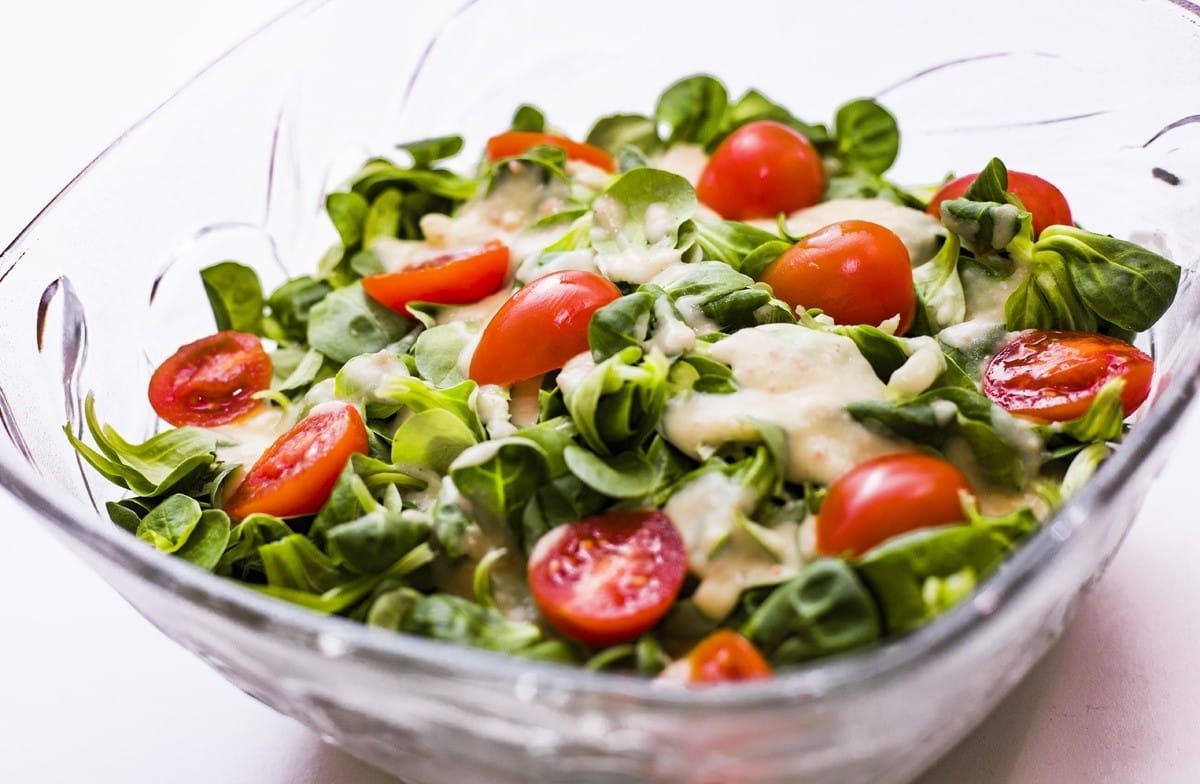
(512, 143)
(296, 474)
(886, 497)
(609, 578)
(455, 278)
(540, 327)
(760, 170)
(858, 272)
(724, 657)
(1055, 375)
(211, 381)
(1040, 197)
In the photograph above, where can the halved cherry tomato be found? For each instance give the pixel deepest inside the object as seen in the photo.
(297, 473)
(726, 656)
(511, 143)
(886, 497)
(211, 381)
(1042, 198)
(760, 170)
(1055, 375)
(856, 271)
(540, 327)
(455, 278)
(607, 579)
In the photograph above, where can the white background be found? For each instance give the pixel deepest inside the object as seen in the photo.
(90, 692)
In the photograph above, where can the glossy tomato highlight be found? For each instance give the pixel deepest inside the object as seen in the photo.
(760, 170)
(1055, 375)
(607, 579)
(1040, 197)
(856, 271)
(886, 497)
(540, 327)
(297, 473)
(211, 381)
(455, 278)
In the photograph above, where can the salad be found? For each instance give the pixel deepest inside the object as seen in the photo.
(700, 396)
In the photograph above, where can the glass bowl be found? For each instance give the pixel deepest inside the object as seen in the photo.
(102, 284)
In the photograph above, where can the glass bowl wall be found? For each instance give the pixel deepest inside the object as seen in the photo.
(1097, 96)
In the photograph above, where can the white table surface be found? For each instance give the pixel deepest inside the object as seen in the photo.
(89, 691)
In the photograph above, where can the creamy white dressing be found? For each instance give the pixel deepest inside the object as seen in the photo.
(515, 202)
(575, 371)
(798, 378)
(492, 405)
(672, 337)
(710, 514)
(925, 363)
(986, 295)
(637, 265)
(686, 160)
(245, 440)
(536, 265)
(919, 231)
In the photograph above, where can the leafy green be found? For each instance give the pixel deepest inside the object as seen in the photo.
(426, 151)
(617, 132)
(621, 324)
(905, 573)
(498, 478)
(692, 110)
(177, 460)
(241, 559)
(867, 135)
(729, 241)
(454, 619)
(984, 225)
(436, 353)
(432, 438)
(941, 301)
(236, 296)
(728, 298)
(289, 306)
(347, 323)
(624, 475)
(824, 610)
(528, 118)
(635, 193)
(620, 402)
(379, 538)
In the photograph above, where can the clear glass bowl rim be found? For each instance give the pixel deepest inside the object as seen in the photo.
(810, 681)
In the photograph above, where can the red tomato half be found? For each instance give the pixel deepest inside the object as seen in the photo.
(607, 579)
(1055, 375)
(540, 327)
(1043, 199)
(211, 381)
(511, 143)
(297, 473)
(856, 271)
(726, 656)
(760, 170)
(454, 278)
(886, 497)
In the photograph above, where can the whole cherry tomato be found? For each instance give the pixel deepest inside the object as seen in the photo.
(511, 143)
(726, 656)
(297, 473)
(856, 271)
(540, 327)
(607, 579)
(760, 170)
(886, 497)
(1055, 375)
(211, 381)
(1046, 202)
(455, 278)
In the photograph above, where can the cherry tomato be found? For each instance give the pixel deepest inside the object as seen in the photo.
(540, 327)
(886, 497)
(297, 473)
(607, 579)
(726, 656)
(511, 143)
(1055, 375)
(211, 381)
(760, 170)
(1043, 199)
(856, 271)
(454, 278)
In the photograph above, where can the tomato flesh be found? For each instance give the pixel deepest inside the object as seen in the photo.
(456, 278)
(1040, 197)
(296, 474)
(211, 381)
(607, 579)
(540, 327)
(760, 170)
(1055, 375)
(512, 143)
(886, 497)
(726, 657)
(858, 272)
